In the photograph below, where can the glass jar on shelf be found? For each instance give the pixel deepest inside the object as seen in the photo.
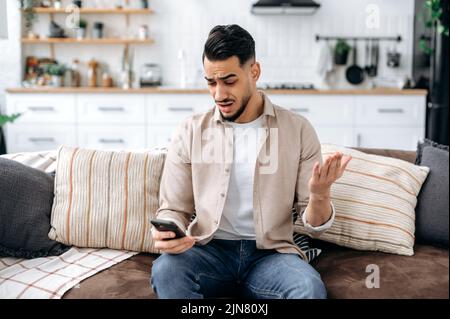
(75, 75)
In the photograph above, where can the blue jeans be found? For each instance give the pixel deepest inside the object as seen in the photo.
(236, 269)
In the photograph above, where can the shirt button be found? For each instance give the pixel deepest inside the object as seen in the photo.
(222, 194)
(227, 170)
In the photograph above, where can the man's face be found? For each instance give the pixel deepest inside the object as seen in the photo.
(231, 85)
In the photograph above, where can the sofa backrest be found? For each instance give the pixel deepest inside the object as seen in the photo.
(409, 156)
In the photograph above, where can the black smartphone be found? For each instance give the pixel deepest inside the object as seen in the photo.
(166, 225)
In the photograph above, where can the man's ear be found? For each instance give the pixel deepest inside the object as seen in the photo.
(255, 71)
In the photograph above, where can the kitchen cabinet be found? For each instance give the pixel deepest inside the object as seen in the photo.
(111, 109)
(377, 121)
(114, 137)
(39, 137)
(147, 119)
(389, 137)
(43, 108)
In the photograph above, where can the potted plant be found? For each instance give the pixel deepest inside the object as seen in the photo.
(29, 16)
(81, 29)
(341, 51)
(56, 71)
(432, 16)
(3, 120)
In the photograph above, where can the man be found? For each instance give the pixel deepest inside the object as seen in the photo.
(240, 242)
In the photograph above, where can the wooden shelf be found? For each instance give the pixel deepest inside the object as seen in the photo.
(86, 41)
(95, 11)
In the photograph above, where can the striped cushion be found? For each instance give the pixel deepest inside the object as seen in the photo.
(106, 198)
(374, 201)
(303, 242)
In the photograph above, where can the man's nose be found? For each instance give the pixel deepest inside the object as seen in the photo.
(221, 93)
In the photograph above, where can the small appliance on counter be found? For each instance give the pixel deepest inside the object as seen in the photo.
(150, 75)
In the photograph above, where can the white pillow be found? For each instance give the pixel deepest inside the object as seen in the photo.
(374, 201)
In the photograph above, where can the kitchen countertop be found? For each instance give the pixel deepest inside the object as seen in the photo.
(173, 90)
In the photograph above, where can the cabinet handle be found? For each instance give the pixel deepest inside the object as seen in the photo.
(304, 110)
(111, 141)
(41, 108)
(41, 139)
(181, 109)
(358, 140)
(111, 109)
(386, 110)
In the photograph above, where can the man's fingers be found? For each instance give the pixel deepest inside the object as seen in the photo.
(325, 168)
(336, 167)
(316, 171)
(161, 235)
(180, 249)
(174, 244)
(344, 164)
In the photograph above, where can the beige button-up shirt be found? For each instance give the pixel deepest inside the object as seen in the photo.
(197, 172)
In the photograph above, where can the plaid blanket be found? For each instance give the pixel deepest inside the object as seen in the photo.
(51, 277)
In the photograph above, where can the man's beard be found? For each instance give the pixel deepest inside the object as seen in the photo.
(239, 112)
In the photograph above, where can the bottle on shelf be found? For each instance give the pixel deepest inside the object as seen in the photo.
(75, 75)
(92, 73)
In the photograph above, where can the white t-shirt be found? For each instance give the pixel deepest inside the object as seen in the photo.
(237, 218)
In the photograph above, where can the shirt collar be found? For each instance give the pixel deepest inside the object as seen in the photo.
(268, 109)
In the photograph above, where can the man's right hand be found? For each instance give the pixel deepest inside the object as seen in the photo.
(167, 245)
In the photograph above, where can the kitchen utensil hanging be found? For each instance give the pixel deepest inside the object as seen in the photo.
(354, 74)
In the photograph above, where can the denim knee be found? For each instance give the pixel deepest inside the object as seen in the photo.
(312, 287)
(164, 270)
(171, 277)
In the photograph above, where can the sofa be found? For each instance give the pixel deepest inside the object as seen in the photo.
(345, 271)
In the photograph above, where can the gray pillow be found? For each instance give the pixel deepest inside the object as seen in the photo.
(26, 198)
(432, 208)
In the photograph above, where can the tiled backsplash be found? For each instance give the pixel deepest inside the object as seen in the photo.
(285, 45)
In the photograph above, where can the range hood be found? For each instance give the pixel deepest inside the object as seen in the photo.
(300, 7)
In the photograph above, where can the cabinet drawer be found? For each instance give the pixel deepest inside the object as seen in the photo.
(111, 109)
(112, 136)
(319, 110)
(343, 136)
(390, 110)
(172, 109)
(31, 138)
(159, 135)
(404, 138)
(43, 108)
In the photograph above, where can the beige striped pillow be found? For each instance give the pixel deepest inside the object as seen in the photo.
(374, 202)
(106, 198)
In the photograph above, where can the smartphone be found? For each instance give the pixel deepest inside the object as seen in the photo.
(166, 225)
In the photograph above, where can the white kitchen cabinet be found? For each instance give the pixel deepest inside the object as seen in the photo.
(38, 137)
(159, 135)
(112, 137)
(319, 110)
(401, 138)
(43, 108)
(390, 111)
(338, 135)
(172, 109)
(148, 120)
(111, 109)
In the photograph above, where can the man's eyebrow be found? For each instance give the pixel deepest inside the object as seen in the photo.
(221, 78)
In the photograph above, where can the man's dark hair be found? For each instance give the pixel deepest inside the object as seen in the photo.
(225, 41)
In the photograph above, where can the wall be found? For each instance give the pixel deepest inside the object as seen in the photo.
(10, 52)
(285, 45)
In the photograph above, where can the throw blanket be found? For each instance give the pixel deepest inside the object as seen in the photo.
(51, 277)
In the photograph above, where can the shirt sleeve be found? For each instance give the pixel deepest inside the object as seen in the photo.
(176, 198)
(310, 153)
(318, 230)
